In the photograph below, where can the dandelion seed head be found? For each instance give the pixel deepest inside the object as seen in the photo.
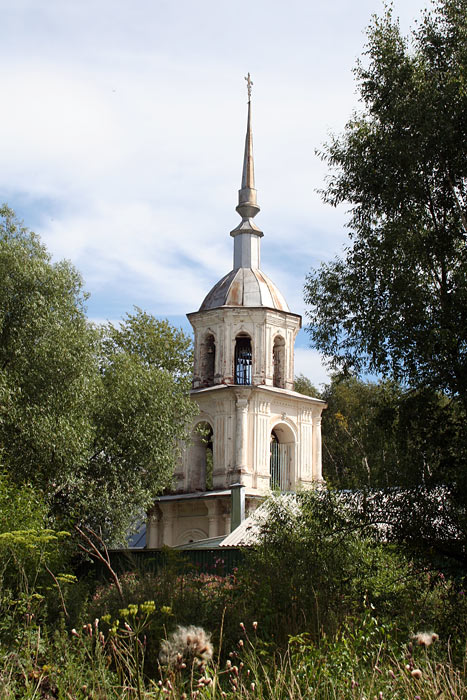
(425, 639)
(186, 644)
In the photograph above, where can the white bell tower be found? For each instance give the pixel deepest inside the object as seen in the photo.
(252, 428)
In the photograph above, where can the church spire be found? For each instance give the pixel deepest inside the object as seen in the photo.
(247, 235)
(247, 206)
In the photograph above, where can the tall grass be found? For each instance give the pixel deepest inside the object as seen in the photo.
(106, 660)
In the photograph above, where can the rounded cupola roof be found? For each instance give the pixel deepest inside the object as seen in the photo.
(245, 287)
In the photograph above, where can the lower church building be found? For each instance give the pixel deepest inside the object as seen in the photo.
(254, 433)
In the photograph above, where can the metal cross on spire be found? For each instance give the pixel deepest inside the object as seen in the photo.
(249, 83)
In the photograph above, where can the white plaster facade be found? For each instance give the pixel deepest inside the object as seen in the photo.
(261, 433)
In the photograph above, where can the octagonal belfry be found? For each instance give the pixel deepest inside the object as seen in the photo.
(253, 431)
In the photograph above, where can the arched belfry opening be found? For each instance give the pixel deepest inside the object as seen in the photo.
(243, 359)
(208, 360)
(281, 463)
(278, 360)
(201, 457)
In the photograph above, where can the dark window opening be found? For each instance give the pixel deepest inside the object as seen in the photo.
(201, 458)
(274, 468)
(243, 361)
(206, 439)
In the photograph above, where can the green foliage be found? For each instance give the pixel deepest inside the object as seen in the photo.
(30, 551)
(27, 545)
(47, 361)
(396, 302)
(304, 386)
(140, 416)
(359, 431)
(377, 434)
(360, 661)
(320, 562)
(182, 598)
(90, 417)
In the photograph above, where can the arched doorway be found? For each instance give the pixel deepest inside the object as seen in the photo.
(281, 462)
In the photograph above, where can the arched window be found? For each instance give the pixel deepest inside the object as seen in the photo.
(243, 360)
(278, 359)
(208, 360)
(201, 458)
(207, 440)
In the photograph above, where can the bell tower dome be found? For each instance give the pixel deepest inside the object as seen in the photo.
(253, 432)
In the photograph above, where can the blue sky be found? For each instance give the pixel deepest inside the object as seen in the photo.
(123, 128)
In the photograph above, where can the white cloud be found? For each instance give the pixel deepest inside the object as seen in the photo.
(123, 127)
(309, 363)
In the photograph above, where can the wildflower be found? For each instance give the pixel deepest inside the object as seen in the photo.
(74, 632)
(242, 626)
(425, 639)
(391, 673)
(148, 607)
(252, 686)
(191, 644)
(96, 623)
(255, 625)
(240, 642)
(416, 673)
